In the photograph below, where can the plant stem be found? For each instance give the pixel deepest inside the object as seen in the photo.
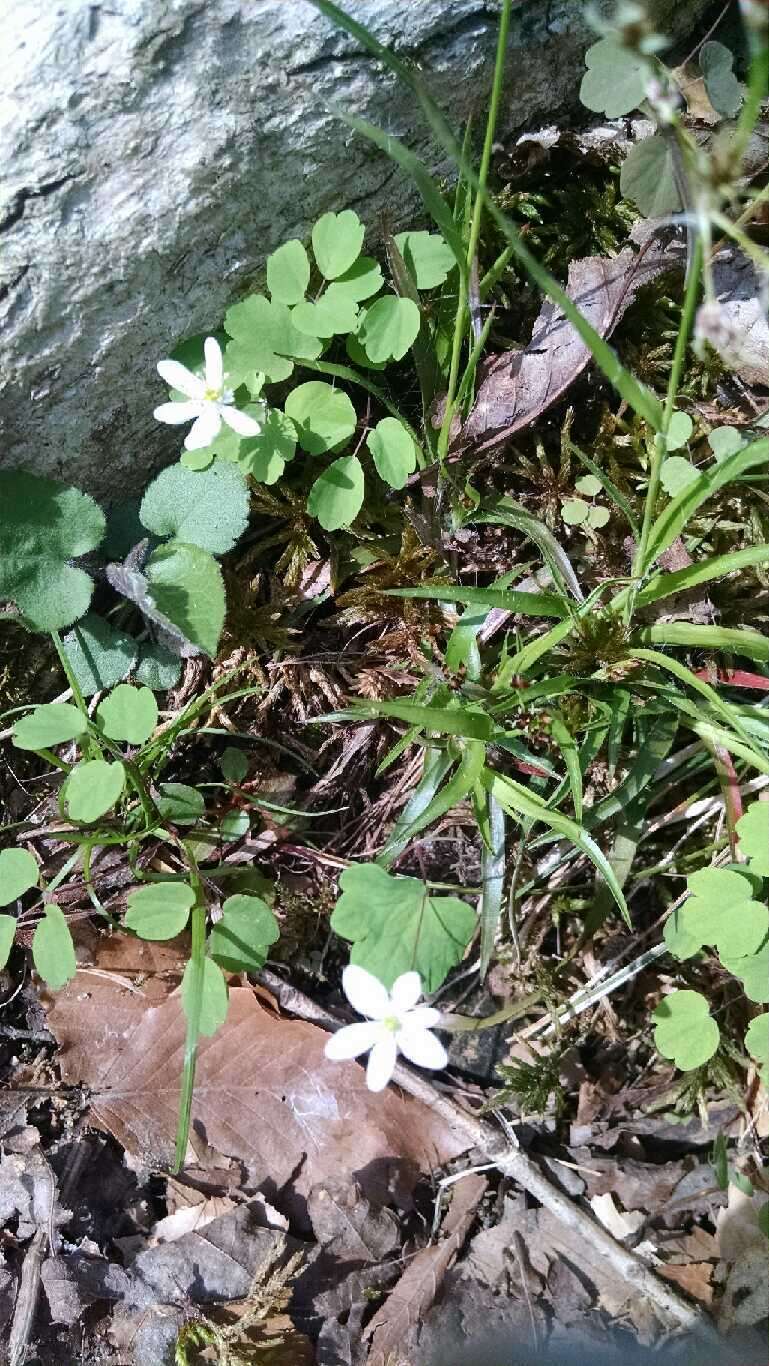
(192, 1005)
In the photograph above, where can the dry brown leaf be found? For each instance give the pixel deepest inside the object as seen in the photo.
(187, 1220)
(346, 1225)
(264, 1093)
(621, 1225)
(519, 385)
(694, 1278)
(417, 1288)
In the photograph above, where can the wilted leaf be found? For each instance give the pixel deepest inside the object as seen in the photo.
(347, 1226)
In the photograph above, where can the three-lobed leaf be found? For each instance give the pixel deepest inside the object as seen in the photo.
(720, 911)
(240, 940)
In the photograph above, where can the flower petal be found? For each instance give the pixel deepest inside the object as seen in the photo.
(205, 430)
(422, 1047)
(240, 422)
(177, 412)
(365, 992)
(214, 364)
(179, 377)
(406, 991)
(352, 1040)
(381, 1063)
(422, 1017)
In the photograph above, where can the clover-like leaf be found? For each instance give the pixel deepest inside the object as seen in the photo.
(361, 281)
(396, 925)
(574, 511)
(92, 789)
(394, 452)
(159, 911)
(234, 764)
(7, 936)
(428, 257)
(757, 1041)
(180, 803)
(264, 339)
(753, 832)
(753, 972)
(679, 431)
(588, 485)
(598, 516)
(677, 473)
(128, 714)
(288, 272)
(389, 327)
(53, 723)
(725, 441)
(336, 241)
(99, 654)
(187, 587)
(648, 177)
(323, 416)
(18, 872)
(724, 90)
(333, 314)
(358, 355)
(615, 80)
(720, 911)
(239, 942)
(336, 497)
(45, 526)
(684, 1029)
(211, 1011)
(208, 508)
(53, 952)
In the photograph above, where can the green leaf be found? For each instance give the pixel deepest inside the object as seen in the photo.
(753, 972)
(397, 927)
(726, 441)
(428, 257)
(454, 791)
(336, 497)
(389, 327)
(324, 416)
(159, 911)
(92, 788)
(436, 765)
(648, 177)
(673, 519)
(568, 747)
(187, 586)
(684, 1029)
(239, 942)
(265, 456)
(757, 1041)
(333, 314)
(732, 640)
(264, 339)
(53, 952)
(7, 936)
(234, 764)
(234, 825)
(465, 720)
(753, 832)
(509, 599)
(615, 80)
(336, 240)
(208, 508)
(588, 485)
(677, 474)
(128, 714)
(52, 724)
(394, 452)
(18, 872)
(723, 89)
(703, 571)
(180, 803)
(45, 526)
(99, 655)
(597, 517)
(574, 511)
(159, 668)
(288, 272)
(679, 432)
(361, 281)
(719, 911)
(214, 998)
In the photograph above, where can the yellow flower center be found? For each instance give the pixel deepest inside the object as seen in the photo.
(392, 1023)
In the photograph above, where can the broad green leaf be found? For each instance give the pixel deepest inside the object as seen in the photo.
(588, 485)
(648, 177)
(7, 936)
(53, 952)
(92, 788)
(52, 724)
(99, 654)
(723, 89)
(18, 872)
(128, 714)
(333, 314)
(211, 1012)
(160, 910)
(264, 339)
(672, 521)
(753, 832)
(389, 327)
(679, 431)
(324, 416)
(239, 942)
(361, 281)
(598, 516)
(677, 474)
(180, 803)
(753, 972)
(396, 926)
(574, 511)
(265, 456)
(337, 239)
(187, 586)
(719, 911)
(234, 764)
(45, 526)
(757, 1041)
(208, 508)
(336, 497)
(726, 441)
(428, 257)
(394, 452)
(615, 81)
(288, 272)
(159, 668)
(684, 1029)
(234, 825)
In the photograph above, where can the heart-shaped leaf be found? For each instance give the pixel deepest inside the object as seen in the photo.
(128, 714)
(52, 724)
(333, 314)
(615, 80)
(45, 526)
(159, 911)
(324, 417)
(684, 1030)
(361, 280)
(428, 257)
(724, 90)
(336, 497)
(92, 789)
(337, 239)
(240, 940)
(648, 177)
(18, 872)
(389, 327)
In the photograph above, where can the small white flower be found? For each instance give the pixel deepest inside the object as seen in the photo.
(208, 402)
(396, 1024)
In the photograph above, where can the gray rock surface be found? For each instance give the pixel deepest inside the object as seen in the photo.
(152, 152)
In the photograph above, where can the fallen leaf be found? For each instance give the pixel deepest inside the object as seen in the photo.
(346, 1225)
(620, 1225)
(746, 1296)
(417, 1288)
(519, 385)
(569, 1296)
(695, 1278)
(194, 1217)
(264, 1094)
(737, 1228)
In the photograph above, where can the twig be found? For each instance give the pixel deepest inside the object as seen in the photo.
(514, 1163)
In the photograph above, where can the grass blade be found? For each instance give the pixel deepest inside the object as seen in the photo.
(492, 880)
(664, 585)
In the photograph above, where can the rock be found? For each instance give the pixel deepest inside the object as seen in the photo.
(154, 151)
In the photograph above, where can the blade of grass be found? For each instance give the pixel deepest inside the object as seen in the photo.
(492, 880)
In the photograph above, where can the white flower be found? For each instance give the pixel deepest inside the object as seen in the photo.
(397, 1024)
(208, 402)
